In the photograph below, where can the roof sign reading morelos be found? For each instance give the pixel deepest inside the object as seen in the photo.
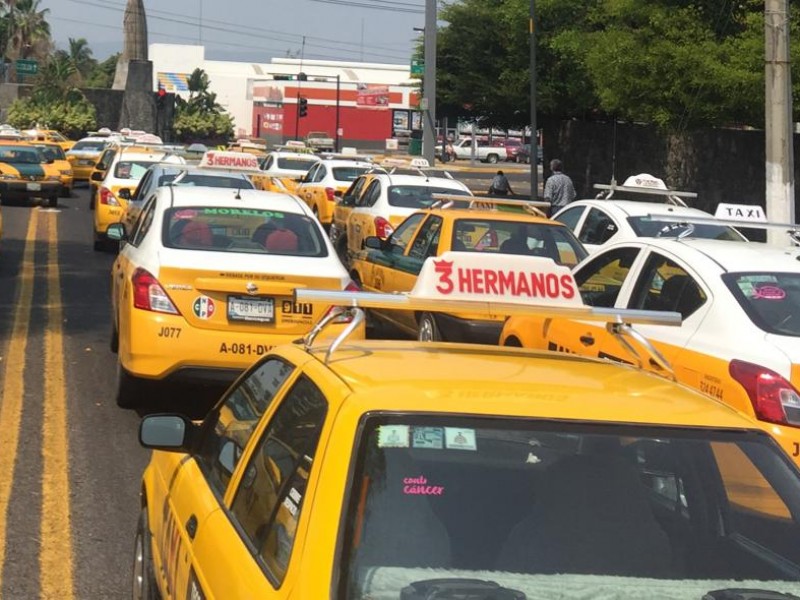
(497, 278)
(229, 160)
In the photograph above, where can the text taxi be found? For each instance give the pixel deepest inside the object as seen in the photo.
(388, 469)
(392, 265)
(739, 340)
(203, 285)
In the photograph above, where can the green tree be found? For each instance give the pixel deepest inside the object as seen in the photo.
(201, 117)
(28, 30)
(101, 75)
(80, 55)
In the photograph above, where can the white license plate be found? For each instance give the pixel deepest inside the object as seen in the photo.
(33, 187)
(243, 308)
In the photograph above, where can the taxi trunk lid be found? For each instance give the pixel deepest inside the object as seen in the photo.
(254, 295)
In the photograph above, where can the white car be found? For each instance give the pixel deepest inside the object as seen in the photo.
(740, 336)
(287, 167)
(204, 283)
(378, 202)
(329, 175)
(606, 220)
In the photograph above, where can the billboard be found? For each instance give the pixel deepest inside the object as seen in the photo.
(372, 96)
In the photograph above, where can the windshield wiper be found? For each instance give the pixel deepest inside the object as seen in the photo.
(461, 588)
(748, 594)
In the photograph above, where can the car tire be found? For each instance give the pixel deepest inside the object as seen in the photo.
(143, 577)
(52, 201)
(512, 342)
(98, 245)
(114, 341)
(492, 159)
(66, 192)
(428, 330)
(129, 388)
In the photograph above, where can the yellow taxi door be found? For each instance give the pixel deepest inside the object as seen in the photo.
(304, 187)
(603, 282)
(360, 224)
(252, 549)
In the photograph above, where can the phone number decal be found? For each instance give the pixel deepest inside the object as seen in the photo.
(244, 349)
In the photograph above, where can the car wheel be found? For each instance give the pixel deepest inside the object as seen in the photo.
(52, 201)
(114, 342)
(66, 192)
(129, 388)
(428, 330)
(492, 158)
(91, 198)
(144, 581)
(513, 342)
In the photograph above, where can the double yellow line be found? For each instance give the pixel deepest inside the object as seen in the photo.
(55, 534)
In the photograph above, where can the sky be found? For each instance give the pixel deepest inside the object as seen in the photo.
(252, 30)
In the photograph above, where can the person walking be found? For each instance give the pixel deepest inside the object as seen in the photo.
(500, 185)
(558, 190)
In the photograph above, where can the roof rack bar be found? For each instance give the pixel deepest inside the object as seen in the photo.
(728, 222)
(642, 190)
(192, 168)
(405, 302)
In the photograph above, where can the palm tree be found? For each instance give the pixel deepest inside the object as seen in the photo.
(29, 30)
(81, 55)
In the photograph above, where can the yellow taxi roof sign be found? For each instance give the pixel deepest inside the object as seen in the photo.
(227, 159)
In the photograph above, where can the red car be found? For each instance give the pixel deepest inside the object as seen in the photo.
(511, 145)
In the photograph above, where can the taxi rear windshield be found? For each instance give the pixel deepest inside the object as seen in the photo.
(298, 164)
(214, 181)
(515, 237)
(249, 230)
(771, 300)
(89, 146)
(20, 155)
(131, 169)
(644, 227)
(347, 173)
(53, 152)
(561, 510)
(418, 196)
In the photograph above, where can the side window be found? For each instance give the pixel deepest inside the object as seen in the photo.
(268, 163)
(426, 243)
(354, 191)
(404, 232)
(598, 228)
(141, 190)
(567, 248)
(320, 174)
(370, 196)
(601, 279)
(143, 223)
(665, 285)
(270, 496)
(571, 216)
(228, 428)
(105, 160)
(308, 177)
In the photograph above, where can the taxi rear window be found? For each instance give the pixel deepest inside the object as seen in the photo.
(515, 237)
(20, 155)
(214, 181)
(771, 300)
(248, 230)
(131, 169)
(347, 173)
(298, 164)
(567, 510)
(419, 196)
(53, 152)
(89, 146)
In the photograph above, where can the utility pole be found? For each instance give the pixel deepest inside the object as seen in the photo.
(778, 127)
(534, 153)
(429, 87)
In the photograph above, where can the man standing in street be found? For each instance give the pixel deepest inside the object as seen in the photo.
(558, 190)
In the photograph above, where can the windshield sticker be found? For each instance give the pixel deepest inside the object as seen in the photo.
(203, 307)
(290, 506)
(242, 212)
(460, 439)
(768, 292)
(185, 213)
(393, 436)
(428, 437)
(418, 486)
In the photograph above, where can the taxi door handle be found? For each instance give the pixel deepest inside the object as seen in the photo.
(191, 527)
(587, 340)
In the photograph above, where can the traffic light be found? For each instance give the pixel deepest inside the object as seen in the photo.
(161, 97)
(301, 76)
(302, 108)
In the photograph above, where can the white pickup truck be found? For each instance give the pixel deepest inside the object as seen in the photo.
(483, 152)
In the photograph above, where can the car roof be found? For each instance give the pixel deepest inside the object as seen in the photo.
(733, 256)
(342, 162)
(463, 379)
(491, 215)
(228, 197)
(420, 180)
(289, 154)
(634, 208)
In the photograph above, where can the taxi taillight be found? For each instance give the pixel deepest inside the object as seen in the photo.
(774, 399)
(331, 194)
(108, 197)
(383, 229)
(149, 295)
(350, 287)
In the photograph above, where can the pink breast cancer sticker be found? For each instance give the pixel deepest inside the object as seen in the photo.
(769, 292)
(418, 486)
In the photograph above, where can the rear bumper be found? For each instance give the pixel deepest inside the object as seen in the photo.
(476, 331)
(104, 216)
(82, 172)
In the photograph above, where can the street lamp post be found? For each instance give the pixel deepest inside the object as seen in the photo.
(429, 87)
(534, 153)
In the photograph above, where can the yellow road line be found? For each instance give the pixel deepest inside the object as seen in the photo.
(14, 382)
(55, 554)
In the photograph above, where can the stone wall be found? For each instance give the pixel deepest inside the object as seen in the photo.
(720, 165)
(108, 104)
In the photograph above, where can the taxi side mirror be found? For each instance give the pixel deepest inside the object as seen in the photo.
(124, 193)
(373, 242)
(348, 201)
(116, 232)
(172, 433)
(98, 176)
(338, 194)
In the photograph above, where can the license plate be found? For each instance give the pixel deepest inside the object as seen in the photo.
(243, 308)
(33, 187)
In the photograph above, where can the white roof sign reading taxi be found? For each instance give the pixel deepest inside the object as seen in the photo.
(229, 160)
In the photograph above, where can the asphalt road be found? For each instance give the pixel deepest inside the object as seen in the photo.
(70, 462)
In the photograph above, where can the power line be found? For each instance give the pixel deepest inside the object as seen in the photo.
(390, 8)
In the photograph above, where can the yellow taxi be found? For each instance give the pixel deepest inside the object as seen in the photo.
(401, 470)
(393, 265)
(83, 155)
(25, 173)
(55, 153)
(283, 169)
(125, 168)
(319, 186)
(203, 284)
(50, 135)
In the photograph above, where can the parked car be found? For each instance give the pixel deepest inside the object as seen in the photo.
(523, 155)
